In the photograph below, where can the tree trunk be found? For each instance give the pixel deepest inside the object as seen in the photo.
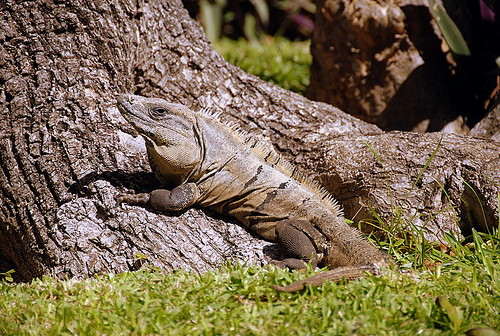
(65, 151)
(383, 61)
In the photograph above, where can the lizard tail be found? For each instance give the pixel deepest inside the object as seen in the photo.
(335, 275)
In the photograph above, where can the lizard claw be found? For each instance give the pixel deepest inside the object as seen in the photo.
(290, 263)
(142, 198)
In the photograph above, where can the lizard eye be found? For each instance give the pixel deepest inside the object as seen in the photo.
(158, 111)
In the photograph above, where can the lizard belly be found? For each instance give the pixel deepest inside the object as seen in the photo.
(259, 195)
(260, 208)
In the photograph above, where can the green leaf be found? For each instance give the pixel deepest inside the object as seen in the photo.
(211, 17)
(450, 311)
(450, 31)
(262, 10)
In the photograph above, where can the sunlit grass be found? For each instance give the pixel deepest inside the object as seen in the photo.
(456, 291)
(275, 60)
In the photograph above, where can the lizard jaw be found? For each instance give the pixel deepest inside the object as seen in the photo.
(129, 107)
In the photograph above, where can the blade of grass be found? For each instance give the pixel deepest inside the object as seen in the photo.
(428, 162)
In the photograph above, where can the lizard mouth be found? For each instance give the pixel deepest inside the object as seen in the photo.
(126, 105)
(134, 112)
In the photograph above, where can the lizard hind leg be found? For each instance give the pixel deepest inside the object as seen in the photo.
(297, 238)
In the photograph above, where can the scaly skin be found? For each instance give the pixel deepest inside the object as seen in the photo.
(213, 164)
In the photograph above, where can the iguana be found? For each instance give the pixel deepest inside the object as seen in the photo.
(214, 164)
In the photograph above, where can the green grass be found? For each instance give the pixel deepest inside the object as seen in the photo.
(457, 290)
(275, 60)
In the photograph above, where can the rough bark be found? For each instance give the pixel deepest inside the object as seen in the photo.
(382, 61)
(489, 126)
(65, 152)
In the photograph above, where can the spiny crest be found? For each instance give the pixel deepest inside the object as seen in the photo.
(269, 155)
(210, 113)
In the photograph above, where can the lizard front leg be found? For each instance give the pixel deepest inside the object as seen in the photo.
(302, 242)
(179, 198)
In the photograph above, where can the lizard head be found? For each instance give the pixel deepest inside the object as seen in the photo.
(170, 134)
